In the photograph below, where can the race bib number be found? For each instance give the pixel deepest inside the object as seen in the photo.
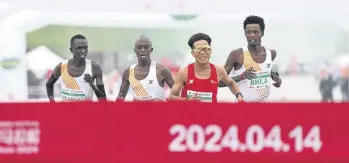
(204, 96)
(262, 80)
(72, 95)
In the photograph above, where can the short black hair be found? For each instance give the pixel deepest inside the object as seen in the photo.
(197, 37)
(253, 19)
(77, 36)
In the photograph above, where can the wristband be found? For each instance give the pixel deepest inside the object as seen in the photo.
(237, 95)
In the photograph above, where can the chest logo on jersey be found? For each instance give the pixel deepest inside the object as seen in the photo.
(150, 82)
(213, 82)
(191, 81)
(268, 65)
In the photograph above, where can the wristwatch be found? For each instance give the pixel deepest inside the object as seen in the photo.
(237, 95)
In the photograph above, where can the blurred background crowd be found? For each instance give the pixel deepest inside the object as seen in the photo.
(312, 43)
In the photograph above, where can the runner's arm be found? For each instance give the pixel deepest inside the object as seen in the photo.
(166, 72)
(178, 85)
(229, 65)
(223, 76)
(274, 75)
(51, 81)
(99, 87)
(125, 85)
(273, 56)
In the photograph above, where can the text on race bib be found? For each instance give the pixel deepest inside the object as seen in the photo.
(143, 98)
(262, 80)
(204, 96)
(72, 95)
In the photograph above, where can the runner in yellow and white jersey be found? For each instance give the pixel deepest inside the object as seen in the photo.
(251, 66)
(147, 78)
(77, 75)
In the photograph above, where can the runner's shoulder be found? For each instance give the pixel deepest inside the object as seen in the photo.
(235, 56)
(161, 68)
(219, 67)
(183, 70)
(236, 53)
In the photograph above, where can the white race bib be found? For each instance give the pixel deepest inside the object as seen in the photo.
(262, 80)
(72, 95)
(204, 96)
(145, 98)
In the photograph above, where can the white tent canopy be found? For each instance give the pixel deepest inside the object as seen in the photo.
(42, 59)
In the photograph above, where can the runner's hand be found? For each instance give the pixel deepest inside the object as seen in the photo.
(276, 78)
(248, 74)
(194, 98)
(88, 79)
(240, 99)
(120, 97)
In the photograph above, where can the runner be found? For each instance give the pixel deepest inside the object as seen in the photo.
(147, 78)
(199, 80)
(77, 75)
(253, 63)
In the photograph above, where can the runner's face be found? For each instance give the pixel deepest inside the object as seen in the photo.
(79, 48)
(253, 34)
(143, 48)
(201, 51)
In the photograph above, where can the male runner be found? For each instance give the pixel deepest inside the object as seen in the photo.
(77, 75)
(252, 64)
(147, 78)
(199, 80)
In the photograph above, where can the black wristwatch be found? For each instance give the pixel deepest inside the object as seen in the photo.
(237, 95)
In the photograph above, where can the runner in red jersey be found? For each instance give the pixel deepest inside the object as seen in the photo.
(199, 80)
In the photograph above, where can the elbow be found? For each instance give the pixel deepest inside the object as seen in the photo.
(221, 84)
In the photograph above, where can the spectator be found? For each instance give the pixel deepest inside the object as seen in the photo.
(327, 85)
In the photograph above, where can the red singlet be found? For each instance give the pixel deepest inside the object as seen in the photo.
(206, 88)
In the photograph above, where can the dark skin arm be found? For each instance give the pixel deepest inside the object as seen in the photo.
(125, 85)
(274, 75)
(234, 59)
(165, 75)
(51, 81)
(98, 76)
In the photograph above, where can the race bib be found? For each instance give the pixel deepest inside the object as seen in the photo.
(145, 98)
(72, 95)
(262, 80)
(204, 96)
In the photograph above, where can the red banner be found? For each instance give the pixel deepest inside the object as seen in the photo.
(174, 132)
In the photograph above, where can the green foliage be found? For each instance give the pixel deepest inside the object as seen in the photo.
(121, 40)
